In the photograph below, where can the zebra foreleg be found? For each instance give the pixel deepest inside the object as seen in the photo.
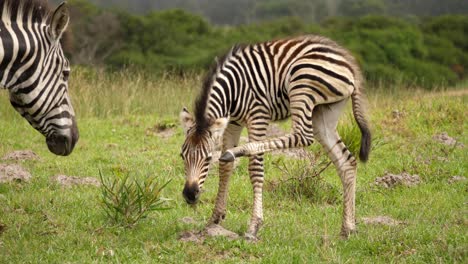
(230, 139)
(295, 140)
(302, 136)
(219, 212)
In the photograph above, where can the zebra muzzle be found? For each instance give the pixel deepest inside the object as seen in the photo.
(191, 193)
(60, 144)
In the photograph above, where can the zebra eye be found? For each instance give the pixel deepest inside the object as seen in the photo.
(208, 159)
(66, 75)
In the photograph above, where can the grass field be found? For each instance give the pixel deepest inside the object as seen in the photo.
(47, 223)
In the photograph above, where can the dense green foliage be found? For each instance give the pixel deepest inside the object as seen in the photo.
(233, 12)
(424, 52)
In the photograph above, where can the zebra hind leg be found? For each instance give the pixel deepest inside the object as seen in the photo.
(325, 119)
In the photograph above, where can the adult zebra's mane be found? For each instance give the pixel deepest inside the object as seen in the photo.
(203, 122)
(39, 10)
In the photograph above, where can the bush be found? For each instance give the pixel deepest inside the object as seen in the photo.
(428, 52)
(125, 200)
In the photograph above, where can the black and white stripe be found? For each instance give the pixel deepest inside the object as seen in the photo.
(35, 71)
(309, 78)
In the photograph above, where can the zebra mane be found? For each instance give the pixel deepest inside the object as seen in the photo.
(203, 122)
(38, 9)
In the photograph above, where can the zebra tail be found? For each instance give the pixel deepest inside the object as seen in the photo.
(359, 110)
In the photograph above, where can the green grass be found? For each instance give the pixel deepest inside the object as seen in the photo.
(49, 223)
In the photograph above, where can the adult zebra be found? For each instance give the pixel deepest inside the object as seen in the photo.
(35, 71)
(309, 78)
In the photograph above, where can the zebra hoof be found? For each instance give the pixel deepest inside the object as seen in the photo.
(345, 234)
(227, 157)
(251, 238)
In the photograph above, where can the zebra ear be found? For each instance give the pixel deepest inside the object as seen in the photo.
(186, 120)
(218, 127)
(59, 21)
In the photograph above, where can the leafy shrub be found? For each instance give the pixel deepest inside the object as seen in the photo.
(125, 200)
(450, 27)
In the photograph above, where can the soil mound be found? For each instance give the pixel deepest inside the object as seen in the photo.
(13, 172)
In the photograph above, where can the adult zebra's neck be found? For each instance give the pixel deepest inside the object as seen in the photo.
(21, 54)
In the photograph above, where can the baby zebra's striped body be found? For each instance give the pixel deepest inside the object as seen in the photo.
(309, 78)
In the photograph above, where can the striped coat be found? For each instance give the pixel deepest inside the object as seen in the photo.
(35, 70)
(308, 78)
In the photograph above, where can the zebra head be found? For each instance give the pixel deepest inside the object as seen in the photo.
(197, 151)
(37, 76)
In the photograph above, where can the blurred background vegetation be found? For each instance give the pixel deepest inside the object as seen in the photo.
(411, 42)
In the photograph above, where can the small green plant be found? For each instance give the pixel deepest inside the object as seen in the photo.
(302, 178)
(125, 200)
(166, 124)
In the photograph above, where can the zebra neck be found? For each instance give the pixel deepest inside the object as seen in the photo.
(219, 102)
(3, 78)
(21, 53)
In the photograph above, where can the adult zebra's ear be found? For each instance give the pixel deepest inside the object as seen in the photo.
(59, 21)
(186, 120)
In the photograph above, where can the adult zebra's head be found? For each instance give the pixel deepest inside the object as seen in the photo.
(35, 70)
(201, 140)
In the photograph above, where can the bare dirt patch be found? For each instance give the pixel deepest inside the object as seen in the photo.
(217, 230)
(21, 155)
(13, 173)
(161, 130)
(381, 220)
(391, 180)
(187, 220)
(105, 252)
(69, 181)
(189, 236)
(455, 179)
(210, 231)
(445, 139)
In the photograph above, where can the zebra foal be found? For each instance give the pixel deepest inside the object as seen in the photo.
(309, 78)
(34, 70)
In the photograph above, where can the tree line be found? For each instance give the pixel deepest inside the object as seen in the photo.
(421, 51)
(228, 12)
